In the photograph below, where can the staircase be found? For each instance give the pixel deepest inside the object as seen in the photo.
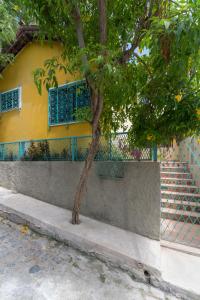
(180, 197)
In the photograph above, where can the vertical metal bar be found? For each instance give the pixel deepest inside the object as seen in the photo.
(154, 153)
(57, 105)
(75, 147)
(3, 152)
(12, 96)
(48, 108)
(110, 147)
(76, 105)
(19, 150)
(72, 148)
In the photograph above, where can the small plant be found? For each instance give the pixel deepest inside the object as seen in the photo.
(10, 156)
(136, 154)
(37, 152)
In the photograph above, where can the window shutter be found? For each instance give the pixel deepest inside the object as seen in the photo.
(64, 100)
(53, 106)
(10, 100)
(82, 95)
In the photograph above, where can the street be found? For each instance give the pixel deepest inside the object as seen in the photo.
(33, 267)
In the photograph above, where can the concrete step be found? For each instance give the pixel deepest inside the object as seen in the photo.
(174, 169)
(177, 181)
(180, 188)
(181, 205)
(180, 196)
(180, 215)
(173, 164)
(185, 175)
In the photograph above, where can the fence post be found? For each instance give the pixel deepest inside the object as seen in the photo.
(73, 150)
(20, 151)
(2, 151)
(154, 153)
(110, 147)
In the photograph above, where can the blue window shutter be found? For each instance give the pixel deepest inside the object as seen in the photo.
(64, 100)
(10, 100)
(53, 106)
(15, 99)
(82, 95)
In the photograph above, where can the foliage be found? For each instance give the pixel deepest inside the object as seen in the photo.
(140, 59)
(39, 151)
(168, 96)
(156, 88)
(83, 114)
(8, 27)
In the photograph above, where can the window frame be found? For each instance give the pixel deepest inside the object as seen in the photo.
(19, 88)
(49, 104)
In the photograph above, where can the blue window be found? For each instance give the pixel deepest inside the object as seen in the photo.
(65, 100)
(10, 100)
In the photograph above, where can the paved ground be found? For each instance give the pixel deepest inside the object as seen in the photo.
(33, 267)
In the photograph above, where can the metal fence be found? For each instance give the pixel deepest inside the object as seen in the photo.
(115, 147)
(180, 196)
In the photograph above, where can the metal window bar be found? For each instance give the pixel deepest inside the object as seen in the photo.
(65, 100)
(10, 100)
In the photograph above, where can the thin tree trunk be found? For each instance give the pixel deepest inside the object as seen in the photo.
(84, 177)
(96, 134)
(97, 107)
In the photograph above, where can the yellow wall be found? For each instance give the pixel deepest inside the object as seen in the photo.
(31, 122)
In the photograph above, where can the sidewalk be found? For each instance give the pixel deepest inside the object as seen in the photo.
(168, 269)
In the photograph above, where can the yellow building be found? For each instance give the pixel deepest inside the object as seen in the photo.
(25, 114)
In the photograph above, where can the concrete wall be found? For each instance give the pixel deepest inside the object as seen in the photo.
(124, 194)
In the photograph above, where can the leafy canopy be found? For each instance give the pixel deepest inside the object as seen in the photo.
(150, 73)
(8, 27)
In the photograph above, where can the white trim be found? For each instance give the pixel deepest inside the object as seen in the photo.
(66, 84)
(20, 97)
(67, 123)
(11, 90)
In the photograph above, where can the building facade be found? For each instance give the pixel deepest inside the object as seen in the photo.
(27, 115)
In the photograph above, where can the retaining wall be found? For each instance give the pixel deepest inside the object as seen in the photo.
(124, 194)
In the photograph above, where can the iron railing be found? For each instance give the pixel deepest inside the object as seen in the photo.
(180, 191)
(115, 147)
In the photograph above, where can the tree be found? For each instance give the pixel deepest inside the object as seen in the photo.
(8, 28)
(140, 60)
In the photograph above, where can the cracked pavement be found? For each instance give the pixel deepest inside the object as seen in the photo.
(34, 267)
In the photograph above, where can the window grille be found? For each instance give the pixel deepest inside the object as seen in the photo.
(65, 100)
(10, 100)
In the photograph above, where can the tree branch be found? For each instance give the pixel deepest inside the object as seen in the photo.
(143, 62)
(79, 31)
(143, 23)
(102, 21)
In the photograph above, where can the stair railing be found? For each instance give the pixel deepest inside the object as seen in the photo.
(193, 159)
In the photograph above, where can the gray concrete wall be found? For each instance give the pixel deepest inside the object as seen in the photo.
(124, 194)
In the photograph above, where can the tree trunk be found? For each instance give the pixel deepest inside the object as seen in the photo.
(96, 105)
(84, 176)
(96, 133)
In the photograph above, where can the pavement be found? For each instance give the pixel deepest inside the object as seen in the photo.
(141, 259)
(34, 267)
